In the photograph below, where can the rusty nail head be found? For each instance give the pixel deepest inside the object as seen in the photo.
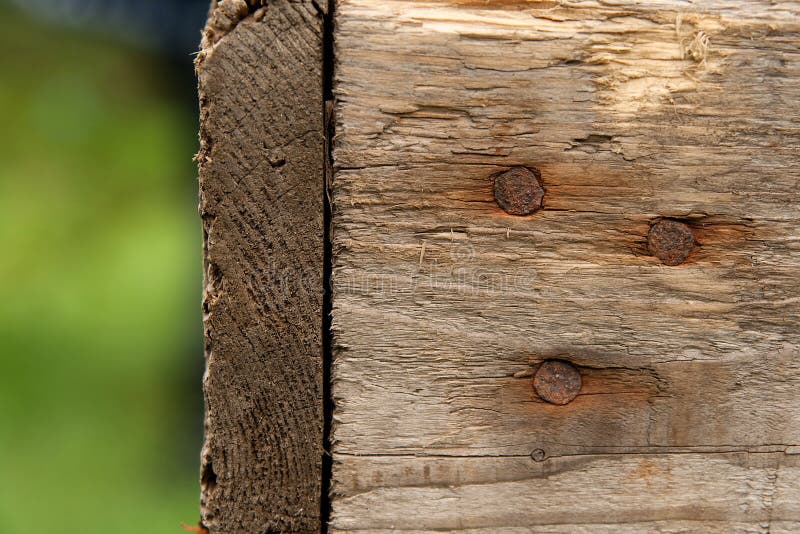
(519, 190)
(557, 382)
(538, 455)
(670, 241)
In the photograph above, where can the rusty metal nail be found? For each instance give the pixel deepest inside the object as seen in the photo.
(519, 191)
(557, 382)
(670, 241)
(538, 455)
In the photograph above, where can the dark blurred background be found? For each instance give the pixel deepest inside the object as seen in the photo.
(100, 266)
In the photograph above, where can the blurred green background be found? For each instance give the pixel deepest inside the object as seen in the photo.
(100, 278)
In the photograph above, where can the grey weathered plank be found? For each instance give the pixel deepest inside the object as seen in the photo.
(444, 304)
(261, 199)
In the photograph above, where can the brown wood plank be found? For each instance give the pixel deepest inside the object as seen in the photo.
(444, 304)
(261, 200)
(726, 492)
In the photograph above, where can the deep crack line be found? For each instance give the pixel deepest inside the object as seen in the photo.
(327, 305)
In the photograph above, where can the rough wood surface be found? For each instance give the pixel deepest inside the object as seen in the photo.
(444, 304)
(261, 200)
(724, 492)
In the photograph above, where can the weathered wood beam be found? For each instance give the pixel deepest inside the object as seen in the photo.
(261, 199)
(452, 284)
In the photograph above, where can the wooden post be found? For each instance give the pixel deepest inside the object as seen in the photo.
(564, 263)
(261, 200)
(661, 264)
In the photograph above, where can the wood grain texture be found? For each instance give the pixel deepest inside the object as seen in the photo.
(725, 492)
(261, 200)
(444, 305)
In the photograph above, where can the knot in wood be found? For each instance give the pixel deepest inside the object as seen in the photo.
(670, 241)
(519, 190)
(538, 455)
(557, 382)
